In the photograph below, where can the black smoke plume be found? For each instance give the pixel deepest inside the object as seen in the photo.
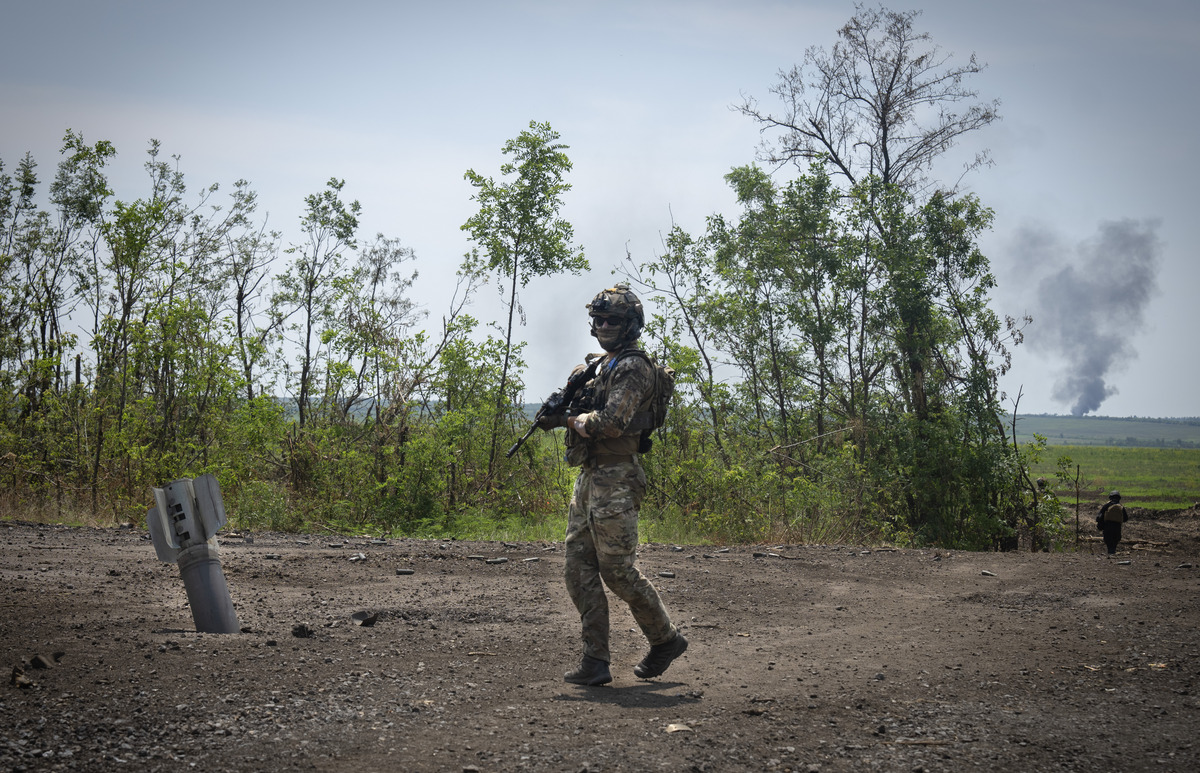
(1092, 305)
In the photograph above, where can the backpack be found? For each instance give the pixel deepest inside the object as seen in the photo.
(1115, 512)
(660, 399)
(664, 390)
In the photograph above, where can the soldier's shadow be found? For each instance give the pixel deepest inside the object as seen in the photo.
(640, 695)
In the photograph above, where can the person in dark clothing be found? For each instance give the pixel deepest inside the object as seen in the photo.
(1112, 515)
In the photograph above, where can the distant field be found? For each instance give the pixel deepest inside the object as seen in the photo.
(1157, 478)
(1106, 431)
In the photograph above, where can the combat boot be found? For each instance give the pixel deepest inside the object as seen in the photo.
(660, 656)
(591, 672)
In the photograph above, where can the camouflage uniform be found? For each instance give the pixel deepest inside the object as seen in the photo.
(602, 523)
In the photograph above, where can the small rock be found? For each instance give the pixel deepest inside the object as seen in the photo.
(365, 618)
(41, 661)
(18, 678)
(676, 549)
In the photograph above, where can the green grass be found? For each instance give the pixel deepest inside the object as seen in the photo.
(1156, 478)
(1108, 431)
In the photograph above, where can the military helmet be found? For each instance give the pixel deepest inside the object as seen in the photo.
(1115, 496)
(620, 302)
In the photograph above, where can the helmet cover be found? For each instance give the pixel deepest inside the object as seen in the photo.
(618, 303)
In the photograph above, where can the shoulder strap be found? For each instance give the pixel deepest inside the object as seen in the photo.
(612, 363)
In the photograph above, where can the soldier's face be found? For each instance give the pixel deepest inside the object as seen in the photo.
(608, 331)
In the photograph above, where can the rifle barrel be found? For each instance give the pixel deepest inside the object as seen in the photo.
(519, 443)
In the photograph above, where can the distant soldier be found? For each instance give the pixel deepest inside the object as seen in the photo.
(1112, 515)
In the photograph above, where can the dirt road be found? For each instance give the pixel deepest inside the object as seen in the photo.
(815, 658)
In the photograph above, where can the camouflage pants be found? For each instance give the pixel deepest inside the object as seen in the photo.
(601, 545)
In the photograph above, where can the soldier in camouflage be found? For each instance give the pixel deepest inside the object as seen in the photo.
(602, 522)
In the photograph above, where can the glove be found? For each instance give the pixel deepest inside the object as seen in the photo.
(551, 421)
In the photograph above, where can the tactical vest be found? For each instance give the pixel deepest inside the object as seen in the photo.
(625, 445)
(627, 442)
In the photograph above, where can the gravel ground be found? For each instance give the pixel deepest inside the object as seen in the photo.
(802, 658)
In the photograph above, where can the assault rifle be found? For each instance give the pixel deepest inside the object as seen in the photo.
(562, 401)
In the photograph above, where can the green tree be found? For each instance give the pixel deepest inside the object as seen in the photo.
(365, 337)
(312, 288)
(519, 230)
(779, 261)
(251, 255)
(41, 254)
(22, 232)
(884, 102)
(879, 110)
(680, 282)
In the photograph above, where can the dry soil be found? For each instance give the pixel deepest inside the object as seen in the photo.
(802, 658)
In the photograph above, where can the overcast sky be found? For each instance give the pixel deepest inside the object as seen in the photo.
(1094, 183)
